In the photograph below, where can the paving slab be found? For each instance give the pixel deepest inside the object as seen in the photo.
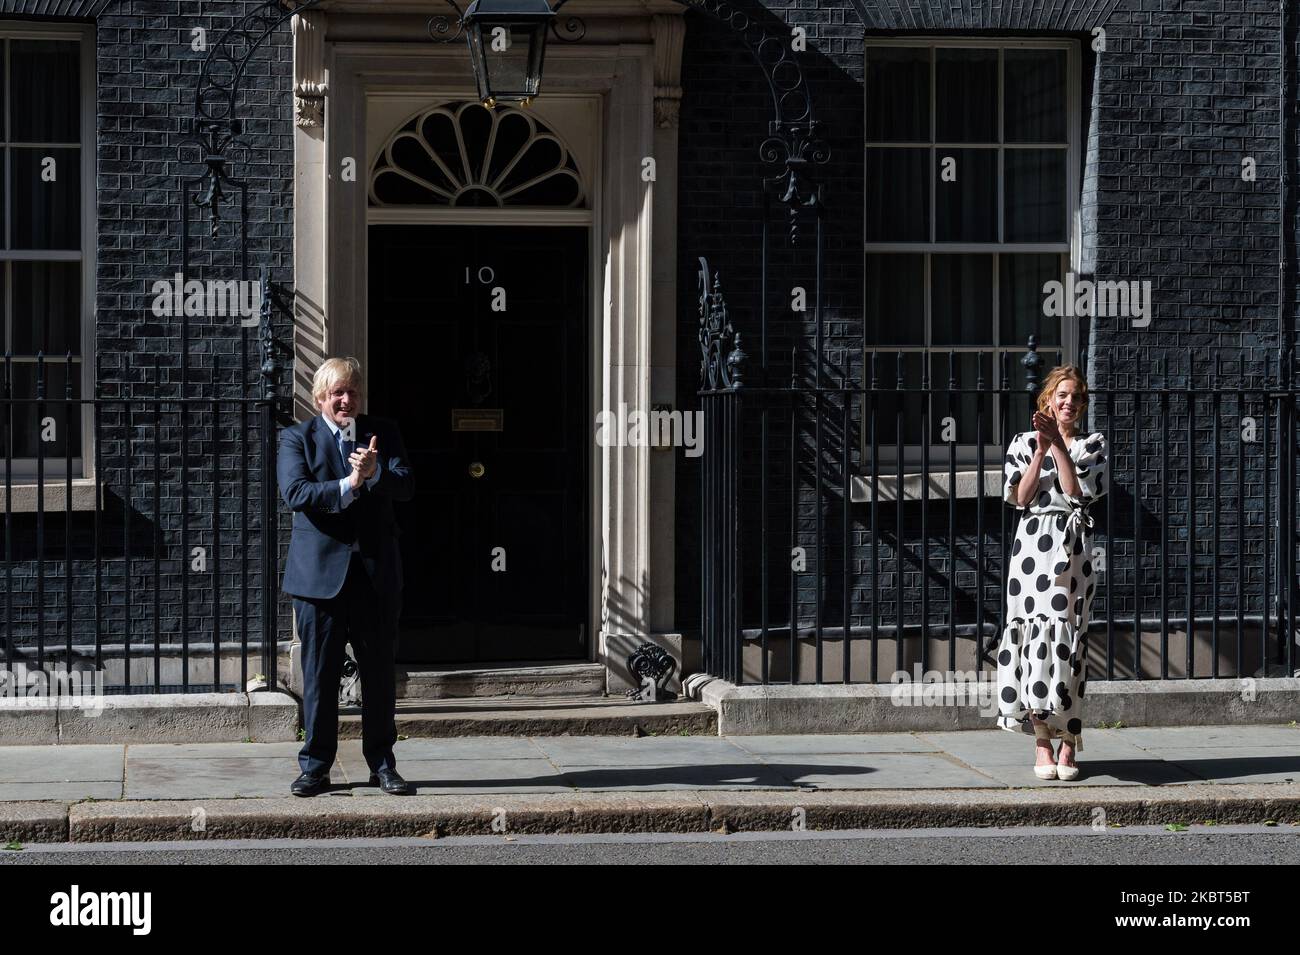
(1236, 764)
(466, 747)
(61, 764)
(1149, 737)
(223, 777)
(650, 750)
(921, 762)
(834, 743)
(1002, 748)
(450, 776)
(880, 771)
(1097, 772)
(67, 792)
(675, 777)
(217, 750)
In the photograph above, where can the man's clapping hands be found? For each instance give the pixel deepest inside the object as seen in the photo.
(364, 461)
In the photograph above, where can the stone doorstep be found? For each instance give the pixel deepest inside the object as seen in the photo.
(267, 717)
(543, 681)
(584, 812)
(838, 708)
(612, 717)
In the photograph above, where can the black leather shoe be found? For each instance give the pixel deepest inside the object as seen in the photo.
(390, 782)
(309, 784)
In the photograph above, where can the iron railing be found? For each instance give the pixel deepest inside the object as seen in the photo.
(151, 553)
(814, 570)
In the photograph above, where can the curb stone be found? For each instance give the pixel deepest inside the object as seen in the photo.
(433, 816)
(33, 822)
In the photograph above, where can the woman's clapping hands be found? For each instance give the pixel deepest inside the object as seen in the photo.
(1048, 432)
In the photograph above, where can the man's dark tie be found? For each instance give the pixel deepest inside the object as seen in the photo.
(345, 449)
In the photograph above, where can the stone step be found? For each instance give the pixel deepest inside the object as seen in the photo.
(569, 680)
(512, 716)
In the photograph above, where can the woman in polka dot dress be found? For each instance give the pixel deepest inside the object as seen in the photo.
(1052, 474)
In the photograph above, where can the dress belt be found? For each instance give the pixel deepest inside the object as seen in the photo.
(1078, 521)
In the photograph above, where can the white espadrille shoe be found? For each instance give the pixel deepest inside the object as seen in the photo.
(1066, 772)
(1044, 770)
(1043, 735)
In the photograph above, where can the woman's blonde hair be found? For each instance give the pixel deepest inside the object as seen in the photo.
(332, 371)
(1053, 380)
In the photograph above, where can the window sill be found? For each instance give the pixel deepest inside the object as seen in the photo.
(24, 495)
(967, 485)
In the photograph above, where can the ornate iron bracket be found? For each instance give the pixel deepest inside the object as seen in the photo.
(652, 666)
(214, 128)
(794, 144)
(214, 140)
(722, 359)
(266, 339)
(349, 682)
(440, 25)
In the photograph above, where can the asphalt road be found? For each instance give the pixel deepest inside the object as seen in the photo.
(1148, 845)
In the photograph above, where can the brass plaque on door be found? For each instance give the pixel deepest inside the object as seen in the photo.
(477, 419)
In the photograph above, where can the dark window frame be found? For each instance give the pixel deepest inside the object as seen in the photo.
(24, 469)
(1068, 250)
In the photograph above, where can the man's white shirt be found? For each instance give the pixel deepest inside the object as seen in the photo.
(346, 494)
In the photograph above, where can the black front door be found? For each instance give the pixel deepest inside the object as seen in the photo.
(478, 348)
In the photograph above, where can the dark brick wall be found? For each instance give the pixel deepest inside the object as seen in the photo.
(147, 74)
(1186, 90)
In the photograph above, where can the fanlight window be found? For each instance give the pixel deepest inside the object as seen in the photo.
(463, 154)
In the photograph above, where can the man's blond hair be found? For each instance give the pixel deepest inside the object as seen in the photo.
(331, 372)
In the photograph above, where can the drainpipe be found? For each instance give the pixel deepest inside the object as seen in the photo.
(1286, 529)
(1284, 108)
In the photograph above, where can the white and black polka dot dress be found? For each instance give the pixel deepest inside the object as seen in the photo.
(1050, 585)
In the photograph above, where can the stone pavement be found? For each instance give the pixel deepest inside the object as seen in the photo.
(1244, 771)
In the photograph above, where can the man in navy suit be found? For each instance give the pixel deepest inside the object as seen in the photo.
(339, 473)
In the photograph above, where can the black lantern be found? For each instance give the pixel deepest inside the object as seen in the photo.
(507, 40)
